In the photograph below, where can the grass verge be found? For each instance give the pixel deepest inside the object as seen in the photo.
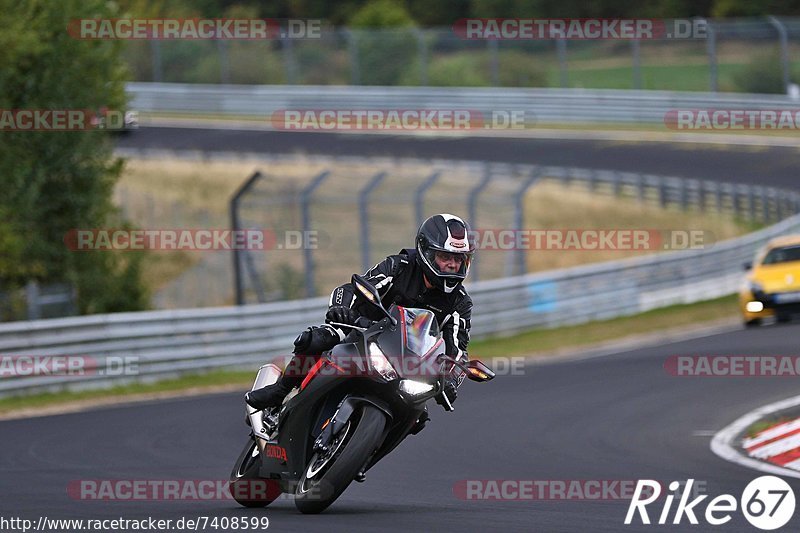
(533, 342)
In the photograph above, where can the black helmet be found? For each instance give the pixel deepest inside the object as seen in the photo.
(446, 234)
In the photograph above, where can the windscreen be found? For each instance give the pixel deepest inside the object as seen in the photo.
(422, 330)
(782, 255)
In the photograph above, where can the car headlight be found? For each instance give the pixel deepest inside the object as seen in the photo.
(415, 388)
(380, 363)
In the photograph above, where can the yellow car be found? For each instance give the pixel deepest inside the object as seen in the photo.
(772, 287)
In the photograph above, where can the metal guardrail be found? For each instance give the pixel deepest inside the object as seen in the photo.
(169, 343)
(538, 105)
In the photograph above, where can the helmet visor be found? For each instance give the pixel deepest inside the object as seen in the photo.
(449, 264)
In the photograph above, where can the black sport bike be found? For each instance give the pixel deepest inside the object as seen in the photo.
(356, 404)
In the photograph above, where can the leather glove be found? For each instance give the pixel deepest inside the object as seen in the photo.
(342, 315)
(450, 389)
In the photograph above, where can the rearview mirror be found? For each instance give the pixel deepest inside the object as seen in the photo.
(477, 371)
(368, 291)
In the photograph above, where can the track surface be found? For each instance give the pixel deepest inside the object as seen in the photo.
(614, 417)
(774, 166)
(619, 417)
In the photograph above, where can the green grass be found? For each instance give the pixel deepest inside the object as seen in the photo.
(547, 340)
(532, 342)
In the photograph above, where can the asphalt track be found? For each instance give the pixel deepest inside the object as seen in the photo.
(618, 417)
(756, 165)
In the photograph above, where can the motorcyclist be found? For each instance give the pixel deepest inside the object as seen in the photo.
(429, 276)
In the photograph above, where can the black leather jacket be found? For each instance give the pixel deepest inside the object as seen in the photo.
(398, 279)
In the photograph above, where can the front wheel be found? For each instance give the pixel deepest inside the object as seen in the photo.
(246, 486)
(329, 473)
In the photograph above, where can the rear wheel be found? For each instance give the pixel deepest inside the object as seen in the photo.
(246, 486)
(329, 473)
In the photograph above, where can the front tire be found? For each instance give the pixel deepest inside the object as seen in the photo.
(246, 486)
(325, 480)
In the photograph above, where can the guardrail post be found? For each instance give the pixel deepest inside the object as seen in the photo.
(711, 48)
(363, 211)
(616, 181)
(783, 38)
(519, 218)
(751, 203)
(682, 188)
(662, 192)
(235, 226)
(593, 180)
(305, 201)
(718, 197)
(701, 195)
(637, 64)
(640, 191)
(472, 202)
(419, 196)
(780, 201)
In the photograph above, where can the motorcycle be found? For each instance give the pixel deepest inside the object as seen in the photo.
(339, 423)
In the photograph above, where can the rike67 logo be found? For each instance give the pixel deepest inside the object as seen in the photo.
(767, 503)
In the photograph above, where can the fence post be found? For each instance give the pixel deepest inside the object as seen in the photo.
(288, 60)
(711, 48)
(637, 65)
(494, 71)
(32, 300)
(472, 201)
(561, 47)
(419, 196)
(352, 47)
(308, 257)
(158, 70)
(519, 217)
(422, 50)
(783, 38)
(238, 284)
(224, 61)
(363, 207)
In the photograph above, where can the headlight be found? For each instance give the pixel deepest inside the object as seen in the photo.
(415, 388)
(754, 307)
(380, 363)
